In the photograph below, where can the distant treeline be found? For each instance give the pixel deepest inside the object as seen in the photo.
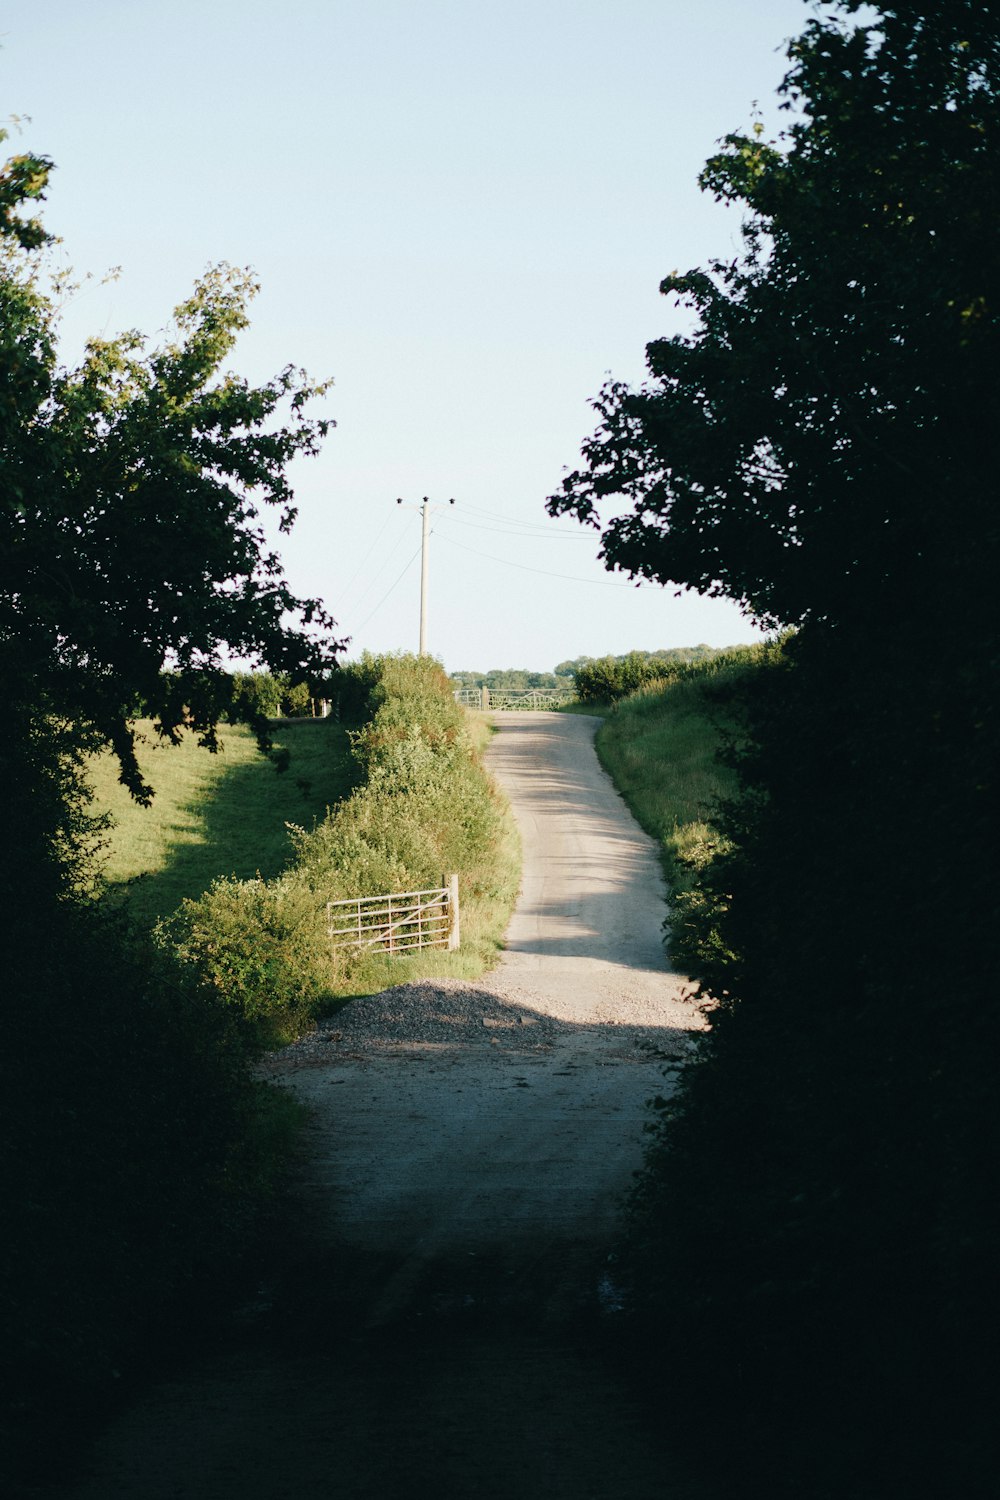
(602, 679)
(617, 675)
(512, 678)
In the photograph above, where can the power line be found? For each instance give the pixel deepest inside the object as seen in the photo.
(494, 515)
(377, 574)
(519, 529)
(385, 596)
(357, 571)
(601, 583)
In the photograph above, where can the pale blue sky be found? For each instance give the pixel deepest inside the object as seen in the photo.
(460, 211)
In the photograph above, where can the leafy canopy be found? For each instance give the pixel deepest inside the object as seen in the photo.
(133, 552)
(817, 442)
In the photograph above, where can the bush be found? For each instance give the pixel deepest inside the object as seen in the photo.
(266, 695)
(349, 688)
(261, 947)
(256, 695)
(296, 701)
(611, 678)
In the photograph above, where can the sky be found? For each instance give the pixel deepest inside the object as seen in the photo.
(461, 212)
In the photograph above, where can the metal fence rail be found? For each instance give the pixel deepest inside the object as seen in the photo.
(399, 922)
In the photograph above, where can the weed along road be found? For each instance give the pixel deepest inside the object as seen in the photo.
(439, 1322)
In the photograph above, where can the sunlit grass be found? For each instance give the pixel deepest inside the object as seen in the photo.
(590, 710)
(225, 815)
(661, 748)
(213, 815)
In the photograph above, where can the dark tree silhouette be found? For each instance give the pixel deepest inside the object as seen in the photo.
(818, 1220)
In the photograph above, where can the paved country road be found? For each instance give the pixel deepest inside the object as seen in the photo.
(437, 1327)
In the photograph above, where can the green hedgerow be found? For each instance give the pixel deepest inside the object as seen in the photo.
(424, 809)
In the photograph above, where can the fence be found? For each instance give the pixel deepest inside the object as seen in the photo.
(397, 923)
(513, 699)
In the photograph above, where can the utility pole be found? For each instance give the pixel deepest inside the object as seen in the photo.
(425, 515)
(424, 534)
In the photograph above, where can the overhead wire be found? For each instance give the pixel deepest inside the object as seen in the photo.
(382, 566)
(508, 527)
(606, 583)
(388, 591)
(493, 515)
(516, 530)
(357, 571)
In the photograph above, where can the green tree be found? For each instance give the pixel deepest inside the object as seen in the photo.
(570, 668)
(132, 525)
(818, 439)
(820, 450)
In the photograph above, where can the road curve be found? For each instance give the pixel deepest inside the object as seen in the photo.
(586, 938)
(506, 1116)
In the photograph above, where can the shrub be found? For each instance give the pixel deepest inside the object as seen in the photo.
(267, 695)
(611, 678)
(256, 694)
(296, 700)
(349, 688)
(260, 946)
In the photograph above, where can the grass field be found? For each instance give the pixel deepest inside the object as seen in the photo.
(214, 815)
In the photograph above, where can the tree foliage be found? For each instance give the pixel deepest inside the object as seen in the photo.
(818, 1218)
(511, 678)
(135, 488)
(818, 438)
(610, 678)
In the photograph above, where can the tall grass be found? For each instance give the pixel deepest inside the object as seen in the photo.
(662, 748)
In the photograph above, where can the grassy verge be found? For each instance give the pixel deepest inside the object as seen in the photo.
(421, 808)
(661, 749)
(592, 710)
(215, 815)
(487, 899)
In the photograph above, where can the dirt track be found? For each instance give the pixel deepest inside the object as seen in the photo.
(439, 1328)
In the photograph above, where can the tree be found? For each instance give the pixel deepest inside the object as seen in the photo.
(132, 537)
(820, 450)
(818, 439)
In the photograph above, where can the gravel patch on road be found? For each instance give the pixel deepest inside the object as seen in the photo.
(450, 1013)
(446, 1012)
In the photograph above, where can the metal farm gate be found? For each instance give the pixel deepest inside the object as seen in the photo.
(399, 922)
(513, 699)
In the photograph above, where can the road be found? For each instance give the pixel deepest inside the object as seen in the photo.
(438, 1326)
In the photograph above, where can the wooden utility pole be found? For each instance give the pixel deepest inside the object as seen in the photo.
(424, 534)
(425, 514)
